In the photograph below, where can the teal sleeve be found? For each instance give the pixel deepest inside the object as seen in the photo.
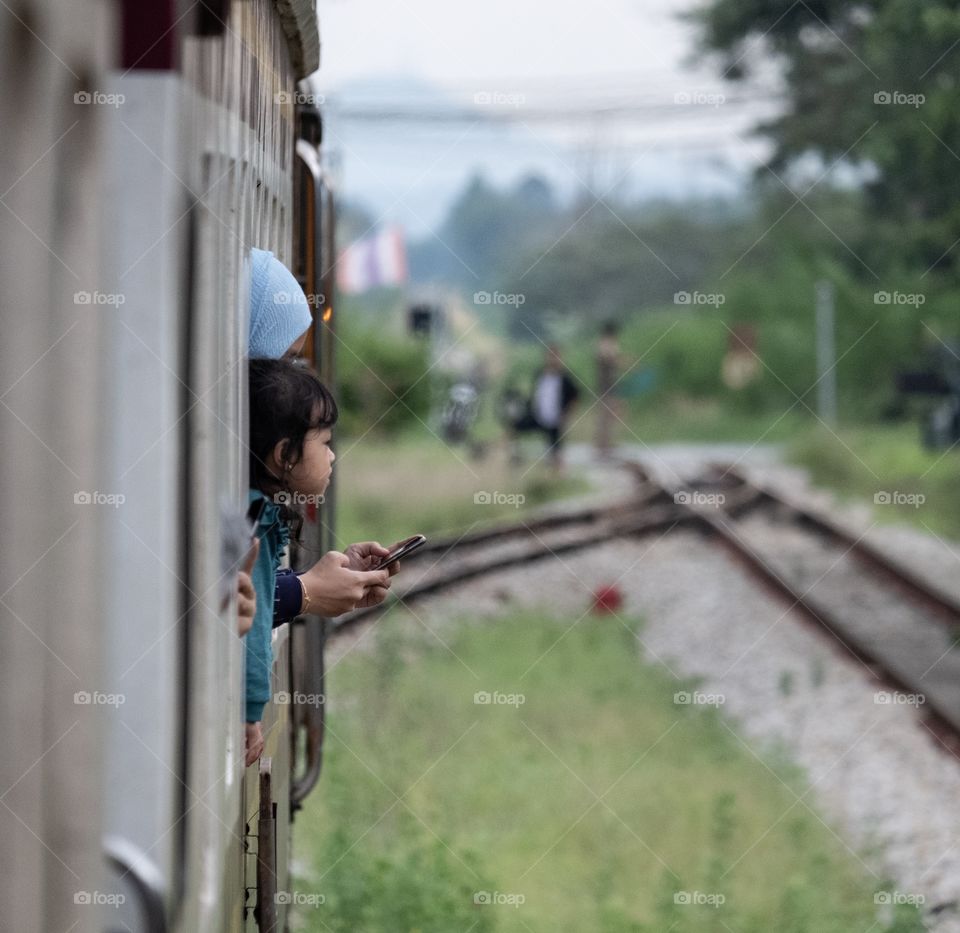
(259, 652)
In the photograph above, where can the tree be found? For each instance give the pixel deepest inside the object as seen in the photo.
(869, 83)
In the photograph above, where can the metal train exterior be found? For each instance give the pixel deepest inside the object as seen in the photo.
(146, 147)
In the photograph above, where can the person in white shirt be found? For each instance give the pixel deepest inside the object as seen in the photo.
(554, 395)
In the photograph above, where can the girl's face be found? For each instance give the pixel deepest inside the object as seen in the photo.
(310, 475)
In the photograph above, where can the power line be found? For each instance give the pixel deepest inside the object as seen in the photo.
(492, 109)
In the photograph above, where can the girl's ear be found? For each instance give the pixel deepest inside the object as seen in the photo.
(278, 457)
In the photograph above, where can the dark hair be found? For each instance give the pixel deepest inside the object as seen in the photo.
(286, 402)
(610, 328)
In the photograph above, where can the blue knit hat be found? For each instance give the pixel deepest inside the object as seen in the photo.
(279, 312)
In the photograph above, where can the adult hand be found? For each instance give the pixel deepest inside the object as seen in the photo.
(246, 603)
(246, 594)
(254, 732)
(335, 588)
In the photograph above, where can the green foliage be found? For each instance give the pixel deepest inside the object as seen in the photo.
(763, 262)
(684, 348)
(419, 886)
(767, 280)
(865, 461)
(836, 57)
(380, 376)
(607, 263)
(429, 798)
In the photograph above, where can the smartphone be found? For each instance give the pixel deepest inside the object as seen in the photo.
(402, 550)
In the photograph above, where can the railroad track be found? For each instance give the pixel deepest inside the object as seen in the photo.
(445, 563)
(900, 626)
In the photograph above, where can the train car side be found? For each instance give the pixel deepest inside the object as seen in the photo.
(130, 806)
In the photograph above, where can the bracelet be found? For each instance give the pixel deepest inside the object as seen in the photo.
(305, 605)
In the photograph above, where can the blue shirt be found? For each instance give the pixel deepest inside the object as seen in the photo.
(274, 536)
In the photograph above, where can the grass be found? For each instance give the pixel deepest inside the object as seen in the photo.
(677, 418)
(864, 462)
(390, 489)
(595, 804)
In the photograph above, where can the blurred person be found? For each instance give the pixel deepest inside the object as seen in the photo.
(609, 362)
(554, 395)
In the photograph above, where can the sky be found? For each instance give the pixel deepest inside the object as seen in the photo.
(604, 96)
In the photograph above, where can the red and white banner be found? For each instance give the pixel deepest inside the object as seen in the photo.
(376, 261)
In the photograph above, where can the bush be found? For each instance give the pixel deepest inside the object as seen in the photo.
(381, 382)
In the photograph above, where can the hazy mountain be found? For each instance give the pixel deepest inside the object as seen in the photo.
(412, 171)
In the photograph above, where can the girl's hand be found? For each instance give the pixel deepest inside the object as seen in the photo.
(367, 554)
(364, 556)
(335, 588)
(373, 596)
